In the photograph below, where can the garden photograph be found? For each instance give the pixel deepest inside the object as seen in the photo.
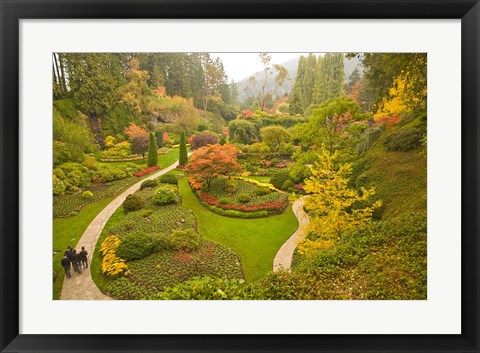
(239, 176)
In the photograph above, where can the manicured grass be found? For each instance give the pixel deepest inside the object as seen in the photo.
(67, 232)
(96, 266)
(164, 160)
(256, 241)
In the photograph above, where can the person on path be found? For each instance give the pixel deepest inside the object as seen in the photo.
(66, 265)
(69, 254)
(77, 262)
(84, 255)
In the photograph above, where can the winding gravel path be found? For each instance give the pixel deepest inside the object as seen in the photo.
(81, 286)
(283, 258)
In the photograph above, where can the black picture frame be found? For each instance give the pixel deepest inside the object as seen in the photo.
(12, 11)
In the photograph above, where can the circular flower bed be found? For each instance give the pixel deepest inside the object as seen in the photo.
(235, 197)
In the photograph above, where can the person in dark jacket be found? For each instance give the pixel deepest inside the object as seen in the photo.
(66, 265)
(84, 255)
(69, 254)
(77, 261)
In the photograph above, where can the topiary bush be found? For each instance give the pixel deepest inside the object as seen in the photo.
(87, 195)
(279, 178)
(169, 179)
(165, 196)
(133, 203)
(244, 198)
(405, 139)
(135, 246)
(148, 184)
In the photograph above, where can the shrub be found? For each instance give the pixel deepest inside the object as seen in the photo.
(224, 201)
(405, 139)
(185, 239)
(133, 203)
(279, 178)
(58, 185)
(112, 265)
(135, 246)
(261, 190)
(244, 198)
(287, 184)
(169, 179)
(165, 196)
(201, 140)
(231, 186)
(87, 195)
(148, 184)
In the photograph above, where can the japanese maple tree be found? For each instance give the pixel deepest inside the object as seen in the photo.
(212, 161)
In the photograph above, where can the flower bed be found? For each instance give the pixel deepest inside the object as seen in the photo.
(146, 171)
(229, 198)
(176, 258)
(68, 205)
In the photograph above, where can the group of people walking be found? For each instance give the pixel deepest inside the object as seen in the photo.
(76, 260)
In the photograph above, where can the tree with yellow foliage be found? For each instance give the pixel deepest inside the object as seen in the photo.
(331, 205)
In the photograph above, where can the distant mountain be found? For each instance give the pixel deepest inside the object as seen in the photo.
(246, 89)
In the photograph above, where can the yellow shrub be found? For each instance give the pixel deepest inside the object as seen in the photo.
(112, 265)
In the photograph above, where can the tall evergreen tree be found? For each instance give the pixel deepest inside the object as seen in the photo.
(159, 137)
(183, 155)
(295, 100)
(329, 83)
(308, 81)
(152, 160)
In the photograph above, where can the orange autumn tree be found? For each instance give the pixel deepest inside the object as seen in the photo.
(211, 161)
(133, 130)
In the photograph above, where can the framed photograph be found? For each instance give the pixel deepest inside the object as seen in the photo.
(233, 176)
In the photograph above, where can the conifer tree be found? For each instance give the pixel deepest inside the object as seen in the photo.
(183, 155)
(330, 74)
(152, 159)
(159, 137)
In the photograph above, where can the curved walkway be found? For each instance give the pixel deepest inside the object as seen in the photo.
(81, 286)
(283, 258)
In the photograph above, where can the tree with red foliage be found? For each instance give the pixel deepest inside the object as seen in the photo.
(211, 161)
(133, 130)
(201, 140)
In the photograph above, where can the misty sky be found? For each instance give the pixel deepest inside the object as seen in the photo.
(240, 65)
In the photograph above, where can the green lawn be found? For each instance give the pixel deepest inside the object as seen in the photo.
(67, 232)
(164, 160)
(256, 241)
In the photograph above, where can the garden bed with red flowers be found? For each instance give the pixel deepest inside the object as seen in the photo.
(146, 171)
(241, 198)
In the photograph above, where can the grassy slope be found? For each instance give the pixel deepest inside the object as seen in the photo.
(400, 180)
(256, 241)
(67, 231)
(394, 265)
